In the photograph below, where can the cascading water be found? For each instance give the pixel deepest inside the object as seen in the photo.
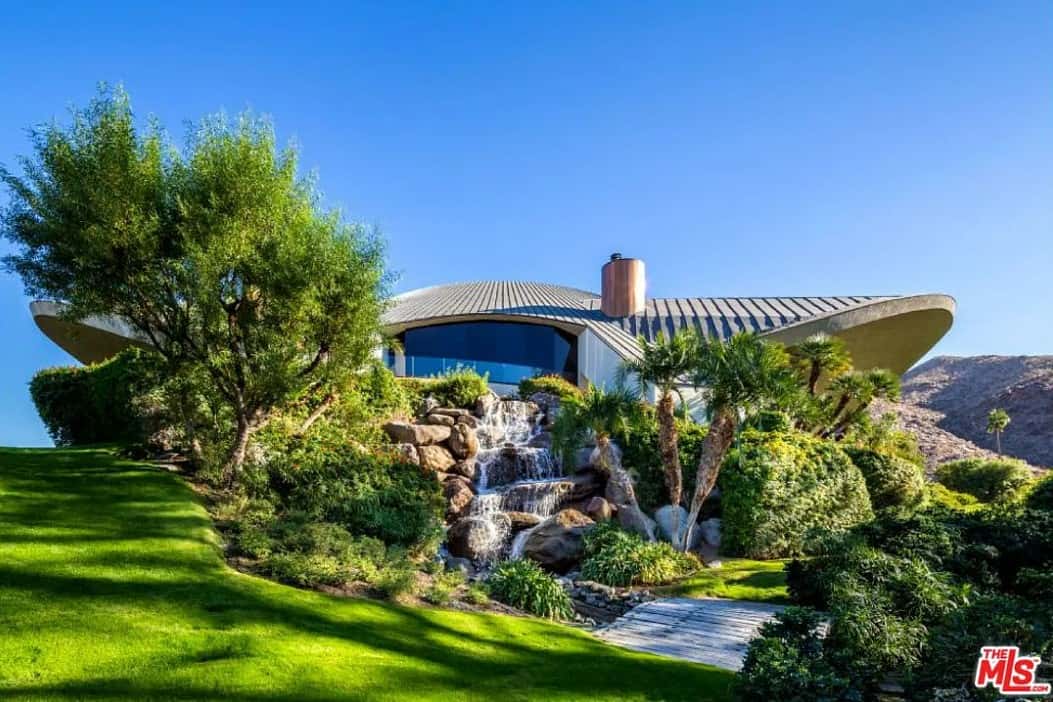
(512, 475)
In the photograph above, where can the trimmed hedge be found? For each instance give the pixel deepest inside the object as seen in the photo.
(986, 480)
(552, 384)
(778, 487)
(457, 388)
(892, 482)
(96, 404)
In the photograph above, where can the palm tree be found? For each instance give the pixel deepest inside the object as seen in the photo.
(736, 377)
(819, 354)
(856, 391)
(665, 364)
(997, 421)
(601, 414)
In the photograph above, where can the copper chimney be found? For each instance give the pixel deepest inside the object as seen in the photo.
(623, 287)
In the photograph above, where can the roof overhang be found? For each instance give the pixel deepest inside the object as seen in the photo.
(90, 340)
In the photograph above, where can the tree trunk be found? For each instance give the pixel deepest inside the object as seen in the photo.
(669, 450)
(714, 449)
(237, 453)
(841, 405)
(813, 377)
(316, 414)
(998, 442)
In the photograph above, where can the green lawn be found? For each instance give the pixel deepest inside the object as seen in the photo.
(112, 587)
(737, 579)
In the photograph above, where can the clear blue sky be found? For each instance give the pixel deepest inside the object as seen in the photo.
(835, 148)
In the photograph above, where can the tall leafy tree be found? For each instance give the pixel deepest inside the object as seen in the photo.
(664, 364)
(736, 377)
(218, 254)
(819, 355)
(997, 421)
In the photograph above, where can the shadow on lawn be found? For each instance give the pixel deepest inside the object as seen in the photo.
(92, 498)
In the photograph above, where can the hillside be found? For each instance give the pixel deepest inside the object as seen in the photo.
(113, 586)
(954, 394)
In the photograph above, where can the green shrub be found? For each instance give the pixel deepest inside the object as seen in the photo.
(478, 594)
(551, 384)
(930, 535)
(443, 586)
(96, 404)
(307, 569)
(459, 387)
(397, 580)
(941, 496)
(522, 584)
(1041, 496)
(788, 662)
(1035, 584)
(949, 658)
(369, 495)
(892, 482)
(779, 487)
(617, 557)
(986, 480)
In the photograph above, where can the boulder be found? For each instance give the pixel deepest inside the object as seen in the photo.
(463, 442)
(478, 538)
(417, 434)
(458, 495)
(441, 419)
(586, 483)
(709, 531)
(665, 516)
(428, 404)
(454, 412)
(523, 520)
(557, 544)
(436, 458)
(598, 509)
(467, 468)
(485, 402)
(620, 493)
(408, 453)
(469, 420)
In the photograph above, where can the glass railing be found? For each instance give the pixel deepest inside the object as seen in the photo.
(510, 373)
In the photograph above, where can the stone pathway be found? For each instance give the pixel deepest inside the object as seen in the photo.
(701, 630)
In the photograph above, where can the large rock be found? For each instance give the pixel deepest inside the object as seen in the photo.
(665, 516)
(454, 412)
(586, 483)
(468, 468)
(408, 453)
(458, 495)
(436, 458)
(478, 538)
(444, 420)
(709, 531)
(485, 402)
(620, 493)
(523, 520)
(598, 509)
(558, 543)
(463, 442)
(468, 419)
(417, 434)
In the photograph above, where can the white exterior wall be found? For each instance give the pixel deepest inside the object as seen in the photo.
(598, 363)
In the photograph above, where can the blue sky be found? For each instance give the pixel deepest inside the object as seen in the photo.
(769, 149)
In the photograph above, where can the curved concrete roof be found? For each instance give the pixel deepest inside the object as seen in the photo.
(887, 331)
(881, 331)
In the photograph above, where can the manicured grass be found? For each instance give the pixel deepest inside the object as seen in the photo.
(737, 579)
(112, 587)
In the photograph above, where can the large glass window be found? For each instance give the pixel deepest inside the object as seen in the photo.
(508, 351)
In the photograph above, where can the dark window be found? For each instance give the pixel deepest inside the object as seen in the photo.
(508, 351)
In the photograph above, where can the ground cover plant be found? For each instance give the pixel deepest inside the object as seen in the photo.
(113, 586)
(614, 556)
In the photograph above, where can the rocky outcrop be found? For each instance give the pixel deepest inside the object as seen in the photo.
(458, 493)
(558, 543)
(463, 442)
(475, 537)
(523, 520)
(961, 392)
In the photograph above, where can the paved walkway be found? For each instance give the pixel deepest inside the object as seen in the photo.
(701, 630)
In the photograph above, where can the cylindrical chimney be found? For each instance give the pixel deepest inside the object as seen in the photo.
(623, 287)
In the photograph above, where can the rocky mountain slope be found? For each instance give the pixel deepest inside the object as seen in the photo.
(950, 396)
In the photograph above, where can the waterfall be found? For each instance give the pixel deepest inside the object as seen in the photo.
(511, 475)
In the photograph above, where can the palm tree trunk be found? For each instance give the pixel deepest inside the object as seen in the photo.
(714, 449)
(813, 377)
(998, 442)
(669, 450)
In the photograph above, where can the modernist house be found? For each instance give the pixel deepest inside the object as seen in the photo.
(516, 329)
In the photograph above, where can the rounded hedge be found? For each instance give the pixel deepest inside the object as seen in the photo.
(892, 482)
(96, 403)
(986, 480)
(1041, 496)
(778, 487)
